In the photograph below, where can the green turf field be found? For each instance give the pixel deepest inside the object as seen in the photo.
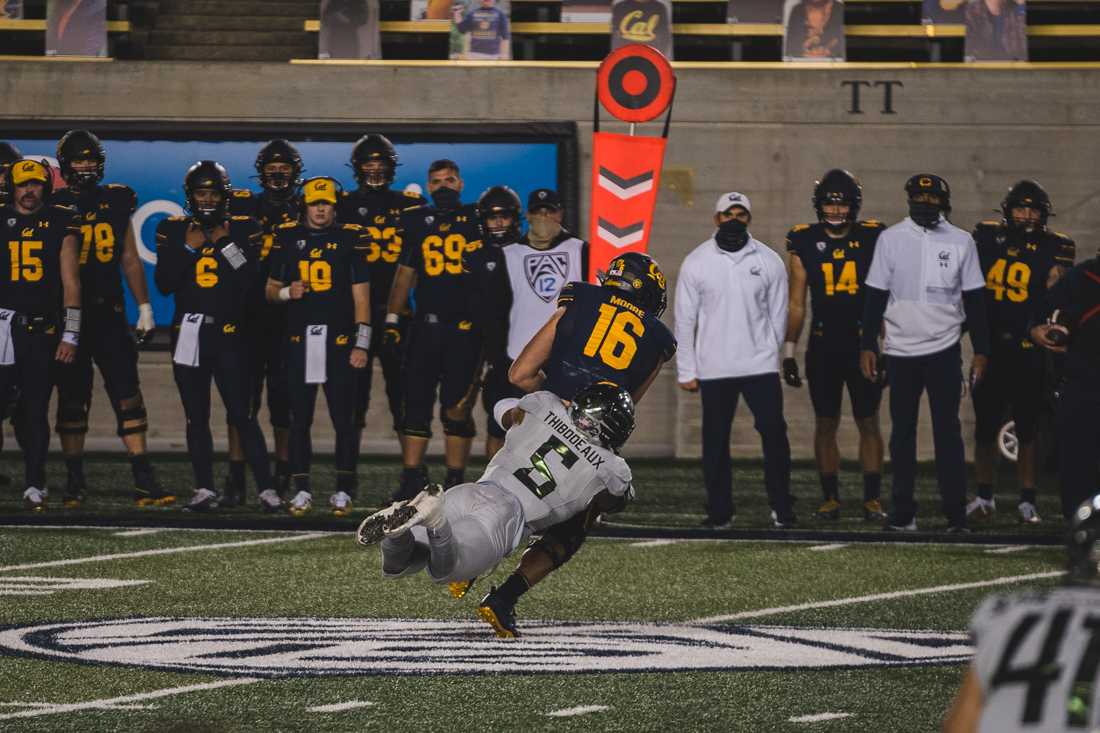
(176, 629)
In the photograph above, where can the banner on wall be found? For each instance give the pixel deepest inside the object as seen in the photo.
(76, 28)
(996, 30)
(813, 30)
(634, 84)
(349, 30)
(754, 11)
(154, 168)
(648, 22)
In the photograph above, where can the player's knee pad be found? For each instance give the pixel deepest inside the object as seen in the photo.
(72, 418)
(458, 421)
(559, 547)
(132, 418)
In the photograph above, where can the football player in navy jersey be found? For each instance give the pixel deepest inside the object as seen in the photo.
(1021, 258)
(279, 169)
(108, 249)
(831, 259)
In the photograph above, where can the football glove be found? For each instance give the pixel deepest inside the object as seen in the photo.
(790, 372)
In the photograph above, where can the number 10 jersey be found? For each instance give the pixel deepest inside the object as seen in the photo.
(553, 469)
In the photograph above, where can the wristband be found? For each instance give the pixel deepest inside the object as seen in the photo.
(284, 294)
(788, 349)
(392, 319)
(362, 336)
(72, 320)
(71, 337)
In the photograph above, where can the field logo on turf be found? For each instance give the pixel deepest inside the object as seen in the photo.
(288, 647)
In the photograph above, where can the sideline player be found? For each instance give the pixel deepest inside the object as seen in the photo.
(206, 262)
(1037, 652)
(1020, 259)
(831, 258)
(44, 272)
(378, 208)
(107, 246)
(558, 459)
(444, 348)
(319, 269)
(279, 169)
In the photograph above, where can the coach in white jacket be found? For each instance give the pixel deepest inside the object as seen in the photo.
(731, 312)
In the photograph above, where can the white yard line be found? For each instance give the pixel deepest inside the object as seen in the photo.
(51, 704)
(1009, 549)
(819, 717)
(126, 699)
(162, 551)
(826, 548)
(653, 543)
(582, 710)
(120, 528)
(1006, 580)
(340, 707)
(141, 532)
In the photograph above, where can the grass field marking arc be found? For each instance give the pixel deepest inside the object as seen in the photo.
(160, 551)
(579, 710)
(819, 717)
(340, 707)
(126, 699)
(892, 595)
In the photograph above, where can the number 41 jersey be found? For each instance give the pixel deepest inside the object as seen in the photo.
(553, 470)
(1037, 660)
(604, 337)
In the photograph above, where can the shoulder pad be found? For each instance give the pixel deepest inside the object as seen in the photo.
(412, 194)
(287, 225)
(349, 227)
(242, 193)
(118, 187)
(989, 223)
(1064, 237)
(799, 228)
(872, 224)
(240, 218)
(176, 218)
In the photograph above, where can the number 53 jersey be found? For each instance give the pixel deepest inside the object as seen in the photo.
(602, 336)
(1037, 658)
(835, 271)
(553, 470)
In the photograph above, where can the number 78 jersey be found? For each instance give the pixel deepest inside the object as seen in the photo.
(1038, 660)
(604, 337)
(553, 469)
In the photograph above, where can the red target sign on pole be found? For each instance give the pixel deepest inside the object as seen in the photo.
(635, 83)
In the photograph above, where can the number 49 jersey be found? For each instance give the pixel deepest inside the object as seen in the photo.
(553, 470)
(1038, 660)
(604, 337)
(835, 272)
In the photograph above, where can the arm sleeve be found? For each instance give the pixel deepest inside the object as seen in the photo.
(1056, 298)
(976, 321)
(686, 316)
(170, 273)
(411, 236)
(874, 307)
(1066, 252)
(276, 260)
(360, 272)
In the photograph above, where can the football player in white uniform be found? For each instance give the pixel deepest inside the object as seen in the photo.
(1037, 659)
(556, 461)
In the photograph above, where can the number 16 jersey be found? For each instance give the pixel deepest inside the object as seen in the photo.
(552, 468)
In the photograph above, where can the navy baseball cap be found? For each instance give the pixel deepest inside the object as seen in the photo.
(541, 197)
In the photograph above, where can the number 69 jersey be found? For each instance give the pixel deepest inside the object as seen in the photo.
(835, 271)
(553, 470)
(604, 337)
(1038, 660)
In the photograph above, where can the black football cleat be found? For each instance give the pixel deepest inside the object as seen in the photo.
(149, 492)
(373, 529)
(499, 614)
(75, 492)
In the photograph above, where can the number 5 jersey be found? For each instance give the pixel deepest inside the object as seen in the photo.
(552, 468)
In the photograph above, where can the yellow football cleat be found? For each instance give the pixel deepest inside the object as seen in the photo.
(872, 511)
(460, 588)
(828, 510)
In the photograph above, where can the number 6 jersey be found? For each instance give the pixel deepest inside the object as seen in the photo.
(602, 336)
(553, 469)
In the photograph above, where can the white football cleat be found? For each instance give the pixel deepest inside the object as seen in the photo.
(429, 511)
(981, 508)
(203, 500)
(1029, 513)
(35, 499)
(301, 503)
(340, 503)
(270, 501)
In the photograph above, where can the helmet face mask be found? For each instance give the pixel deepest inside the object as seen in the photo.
(206, 187)
(837, 188)
(1026, 206)
(640, 279)
(279, 167)
(374, 161)
(604, 413)
(74, 147)
(499, 211)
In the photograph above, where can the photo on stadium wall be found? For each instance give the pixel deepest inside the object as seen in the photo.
(349, 30)
(648, 22)
(813, 30)
(152, 158)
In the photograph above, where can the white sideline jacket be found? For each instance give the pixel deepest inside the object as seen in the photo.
(731, 312)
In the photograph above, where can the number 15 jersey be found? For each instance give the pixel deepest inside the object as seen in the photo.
(604, 337)
(553, 470)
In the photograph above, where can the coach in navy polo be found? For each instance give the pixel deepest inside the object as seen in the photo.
(926, 280)
(731, 316)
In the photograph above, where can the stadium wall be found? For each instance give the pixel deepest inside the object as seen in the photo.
(766, 130)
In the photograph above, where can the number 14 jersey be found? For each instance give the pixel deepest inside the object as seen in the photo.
(553, 470)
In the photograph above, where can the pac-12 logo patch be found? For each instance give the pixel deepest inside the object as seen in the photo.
(546, 273)
(296, 647)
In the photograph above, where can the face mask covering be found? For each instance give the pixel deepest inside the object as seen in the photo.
(924, 215)
(446, 199)
(732, 235)
(542, 231)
